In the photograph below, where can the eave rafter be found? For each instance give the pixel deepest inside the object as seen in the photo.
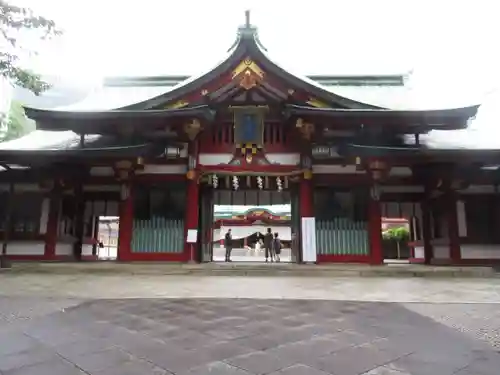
(408, 121)
(122, 122)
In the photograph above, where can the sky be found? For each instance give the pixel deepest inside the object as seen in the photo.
(444, 41)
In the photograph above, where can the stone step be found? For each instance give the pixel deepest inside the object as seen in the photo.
(253, 269)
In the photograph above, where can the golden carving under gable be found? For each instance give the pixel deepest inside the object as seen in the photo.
(317, 103)
(249, 74)
(248, 64)
(176, 105)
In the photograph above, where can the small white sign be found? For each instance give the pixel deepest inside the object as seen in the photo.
(308, 239)
(192, 236)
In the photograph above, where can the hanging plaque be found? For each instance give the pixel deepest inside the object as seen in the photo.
(249, 124)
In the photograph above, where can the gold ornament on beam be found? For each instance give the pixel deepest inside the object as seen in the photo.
(249, 74)
(248, 65)
(308, 174)
(248, 81)
(123, 169)
(176, 105)
(192, 129)
(317, 103)
(378, 169)
(305, 128)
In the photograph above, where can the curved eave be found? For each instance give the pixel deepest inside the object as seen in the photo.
(455, 118)
(38, 157)
(249, 45)
(202, 111)
(353, 149)
(472, 155)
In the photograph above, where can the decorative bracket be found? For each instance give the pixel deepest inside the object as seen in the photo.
(124, 169)
(248, 73)
(193, 128)
(305, 128)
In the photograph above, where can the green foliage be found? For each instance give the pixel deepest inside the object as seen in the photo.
(397, 234)
(13, 21)
(17, 124)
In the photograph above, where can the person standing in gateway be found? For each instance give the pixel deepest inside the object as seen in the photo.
(228, 243)
(268, 244)
(276, 247)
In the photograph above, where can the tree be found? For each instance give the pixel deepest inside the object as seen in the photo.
(398, 235)
(16, 124)
(14, 21)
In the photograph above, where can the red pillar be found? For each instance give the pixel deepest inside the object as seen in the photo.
(126, 227)
(192, 213)
(306, 198)
(426, 229)
(375, 231)
(451, 200)
(52, 226)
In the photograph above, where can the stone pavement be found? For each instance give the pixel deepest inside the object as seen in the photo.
(98, 325)
(373, 289)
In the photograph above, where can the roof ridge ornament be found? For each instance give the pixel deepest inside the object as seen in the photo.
(248, 32)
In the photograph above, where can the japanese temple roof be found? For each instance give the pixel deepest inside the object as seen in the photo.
(385, 91)
(454, 118)
(478, 136)
(127, 97)
(361, 96)
(119, 92)
(41, 146)
(79, 120)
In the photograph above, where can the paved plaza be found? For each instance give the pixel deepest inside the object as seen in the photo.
(131, 324)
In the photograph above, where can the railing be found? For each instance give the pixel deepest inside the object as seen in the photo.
(342, 236)
(158, 235)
